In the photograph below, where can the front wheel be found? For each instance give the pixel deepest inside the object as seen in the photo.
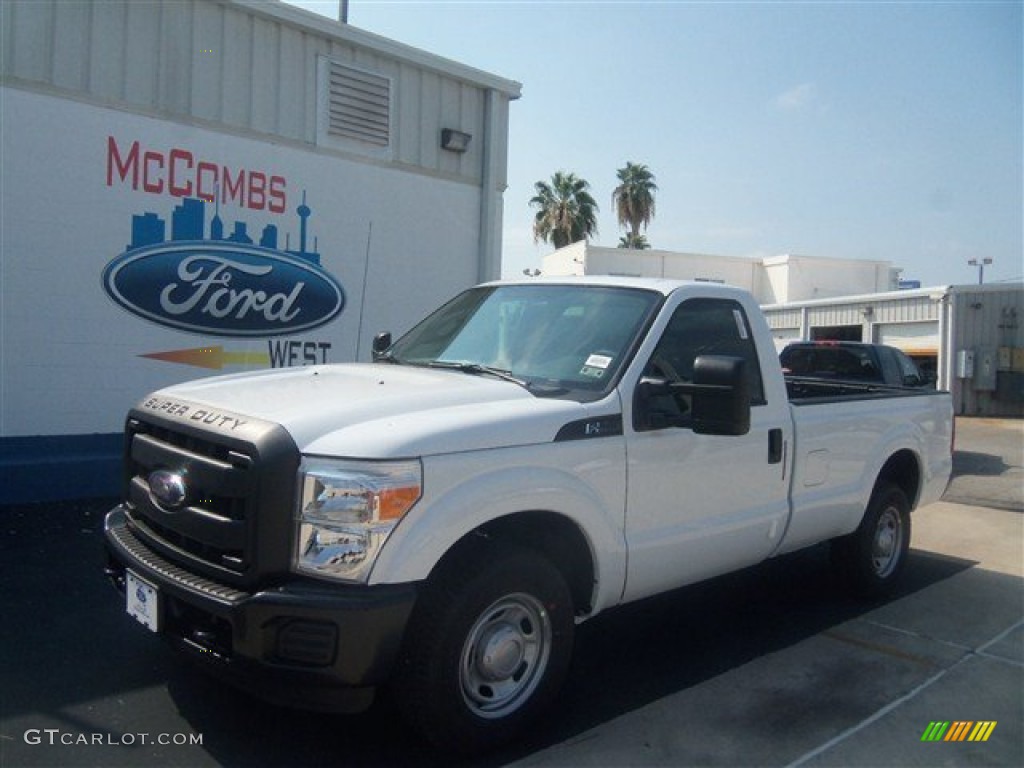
(487, 647)
(872, 558)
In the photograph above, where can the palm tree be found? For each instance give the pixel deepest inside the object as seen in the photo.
(634, 242)
(566, 211)
(634, 201)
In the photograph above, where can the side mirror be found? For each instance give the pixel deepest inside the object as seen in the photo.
(721, 396)
(649, 409)
(719, 399)
(381, 342)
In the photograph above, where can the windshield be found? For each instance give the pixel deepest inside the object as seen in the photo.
(553, 337)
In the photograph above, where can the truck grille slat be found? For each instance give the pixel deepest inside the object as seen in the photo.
(216, 530)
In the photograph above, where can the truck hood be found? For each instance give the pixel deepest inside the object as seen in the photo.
(386, 411)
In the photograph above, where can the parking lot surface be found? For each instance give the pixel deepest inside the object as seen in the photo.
(771, 666)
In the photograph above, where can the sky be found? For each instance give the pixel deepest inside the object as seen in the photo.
(887, 131)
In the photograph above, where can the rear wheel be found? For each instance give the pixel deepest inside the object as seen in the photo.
(872, 558)
(487, 647)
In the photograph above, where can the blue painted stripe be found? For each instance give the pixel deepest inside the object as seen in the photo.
(60, 467)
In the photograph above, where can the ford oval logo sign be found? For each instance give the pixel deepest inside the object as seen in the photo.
(223, 288)
(168, 488)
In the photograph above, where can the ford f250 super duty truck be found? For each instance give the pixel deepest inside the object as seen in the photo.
(533, 453)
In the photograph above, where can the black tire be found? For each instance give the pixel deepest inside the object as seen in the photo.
(487, 647)
(871, 560)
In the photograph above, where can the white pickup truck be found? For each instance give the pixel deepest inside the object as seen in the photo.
(530, 455)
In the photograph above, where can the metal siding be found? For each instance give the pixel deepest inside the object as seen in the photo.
(450, 110)
(234, 55)
(836, 315)
(786, 318)
(430, 115)
(407, 120)
(500, 127)
(142, 33)
(472, 122)
(208, 60)
(174, 76)
(910, 310)
(71, 46)
(984, 319)
(106, 58)
(295, 110)
(247, 69)
(6, 37)
(30, 39)
(265, 83)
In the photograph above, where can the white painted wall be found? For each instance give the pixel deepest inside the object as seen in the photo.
(772, 280)
(72, 360)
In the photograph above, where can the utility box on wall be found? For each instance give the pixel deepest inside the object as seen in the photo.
(985, 369)
(965, 364)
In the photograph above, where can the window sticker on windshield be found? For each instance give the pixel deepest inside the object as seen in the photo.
(596, 366)
(741, 326)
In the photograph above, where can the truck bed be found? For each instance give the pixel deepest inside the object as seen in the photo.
(844, 433)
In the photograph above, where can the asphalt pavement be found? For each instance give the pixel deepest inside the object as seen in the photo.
(771, 666)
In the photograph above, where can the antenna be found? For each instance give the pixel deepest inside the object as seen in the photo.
(362, 297)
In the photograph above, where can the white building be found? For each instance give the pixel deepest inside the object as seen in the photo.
(772, 280)
(200, 186)
(970, 337)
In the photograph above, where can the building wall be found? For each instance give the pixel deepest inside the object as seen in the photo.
(986, 325)
(178, 169)
(970, 337)
(251, 66)
(800, 278)
(773, 280)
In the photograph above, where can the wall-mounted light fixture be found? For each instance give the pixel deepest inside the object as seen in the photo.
(454, 141)
(868, 311)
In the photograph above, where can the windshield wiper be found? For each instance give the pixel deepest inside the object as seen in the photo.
(478, 370)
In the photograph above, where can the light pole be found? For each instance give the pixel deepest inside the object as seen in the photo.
(980, 264)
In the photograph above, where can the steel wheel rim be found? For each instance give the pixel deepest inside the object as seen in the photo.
(887, 543)
(505, 655)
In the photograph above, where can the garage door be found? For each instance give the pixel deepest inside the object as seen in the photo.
(913, 338)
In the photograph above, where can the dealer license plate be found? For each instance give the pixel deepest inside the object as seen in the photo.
(142, 601)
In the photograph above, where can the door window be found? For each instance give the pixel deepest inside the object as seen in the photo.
(703, 327)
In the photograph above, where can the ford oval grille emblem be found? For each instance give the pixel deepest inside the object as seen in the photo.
(168, 488)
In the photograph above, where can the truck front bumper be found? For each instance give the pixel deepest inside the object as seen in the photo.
(304, 643)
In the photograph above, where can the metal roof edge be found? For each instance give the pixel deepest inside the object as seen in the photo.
(936, 292)
(323, 25)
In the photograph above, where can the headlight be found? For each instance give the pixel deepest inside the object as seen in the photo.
(347, 511)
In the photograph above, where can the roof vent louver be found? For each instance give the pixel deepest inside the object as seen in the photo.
(359, 105)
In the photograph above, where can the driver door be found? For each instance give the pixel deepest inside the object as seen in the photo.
(702, 505)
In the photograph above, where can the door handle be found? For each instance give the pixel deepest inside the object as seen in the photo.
(774, 446)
